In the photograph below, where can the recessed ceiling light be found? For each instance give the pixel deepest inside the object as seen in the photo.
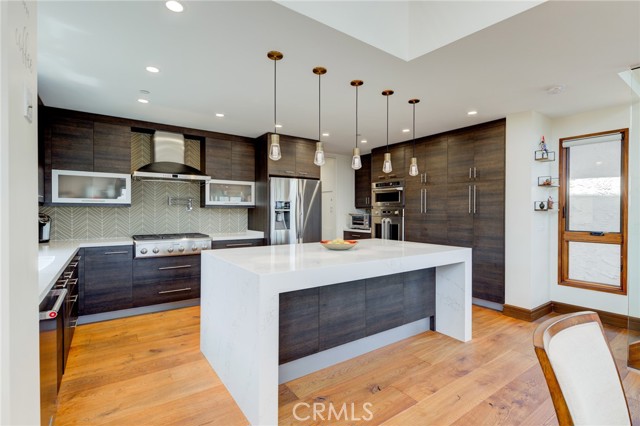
(406, 130)
(363, 141)
(598, 163)
(143, 101)
(555, 90)
(152, 69)
(174, 6)
(219, 115)
(472, 112)
(278, 126)
(325, 134)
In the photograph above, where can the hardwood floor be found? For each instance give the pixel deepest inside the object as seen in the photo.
(148, 370)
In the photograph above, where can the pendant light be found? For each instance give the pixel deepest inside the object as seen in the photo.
(356, 162)
(386, 165)
(318, 158)
(413, 168)
(274, 146)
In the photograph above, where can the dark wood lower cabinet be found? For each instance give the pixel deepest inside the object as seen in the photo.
(355, 235)
(342, 314)
(221, 244)
(165, 279)
(298, 324)
(107, 284)
(321, 318)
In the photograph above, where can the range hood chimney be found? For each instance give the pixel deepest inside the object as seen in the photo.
(168, 161)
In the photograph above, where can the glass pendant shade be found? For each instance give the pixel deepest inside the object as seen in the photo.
(356, 162)
(274, 147)
(318, 158)
(413, 168)
(386, 166)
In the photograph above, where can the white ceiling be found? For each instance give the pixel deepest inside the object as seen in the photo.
(212, 58)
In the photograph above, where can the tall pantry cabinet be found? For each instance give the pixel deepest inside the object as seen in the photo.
(458, 199)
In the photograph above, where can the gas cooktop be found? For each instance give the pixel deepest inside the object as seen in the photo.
(160, 245)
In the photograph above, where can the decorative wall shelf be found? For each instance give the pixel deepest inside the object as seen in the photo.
(541, 206)
(542, 155)
(548, 181)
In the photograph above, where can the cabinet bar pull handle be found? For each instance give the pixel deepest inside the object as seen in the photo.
(164, 268)
(425, 200)
(74, 299)
(73, 324)
(469, 198)
(354, 236)
(474, 199)
(73, 264)
(73, 282)
(289, 172)
(238, 244)
(174, 291)
(469, 173)
(421, 200)
(67, 274)
(474, 172)
(63, 283)
(304, 173)
(116, 252)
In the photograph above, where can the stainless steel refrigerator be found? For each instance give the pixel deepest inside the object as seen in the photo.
(295, 210)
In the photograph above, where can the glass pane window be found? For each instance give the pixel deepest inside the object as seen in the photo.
(594, 189)
(595, 263)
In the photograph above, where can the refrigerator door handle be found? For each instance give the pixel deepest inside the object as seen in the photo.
(305, 217)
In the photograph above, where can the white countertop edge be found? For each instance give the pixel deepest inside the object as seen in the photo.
(247, 235)
(364, 231)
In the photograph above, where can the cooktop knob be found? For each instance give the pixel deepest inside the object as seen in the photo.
(156, 250)
(180, 249)
(170, 249)
(143, 251)
(205, 246)
(194, 248)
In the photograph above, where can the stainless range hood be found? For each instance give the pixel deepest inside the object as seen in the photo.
(168, 161)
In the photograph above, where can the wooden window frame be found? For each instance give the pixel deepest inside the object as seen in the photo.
(585, 237)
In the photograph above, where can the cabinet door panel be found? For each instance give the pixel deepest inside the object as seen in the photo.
(298, 324)
(459, 217)
(305, 168)
(363, 183)
(397, 162)
(111, 148)
(419, 294)
(286, 165)
(217, 155)
(435, 153)
(351, 235)
(243, 161)
(384, 303)
(490, 153)
(342, 314)
(435, 219)
(155, 292)
(460, 156)
(107, 279)
(72, 144)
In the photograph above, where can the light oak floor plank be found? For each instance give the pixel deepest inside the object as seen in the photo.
(148, 370)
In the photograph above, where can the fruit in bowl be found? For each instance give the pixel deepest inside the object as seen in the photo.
(339, 244)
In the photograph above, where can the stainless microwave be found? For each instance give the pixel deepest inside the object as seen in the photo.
(359, 221)
(388, 193)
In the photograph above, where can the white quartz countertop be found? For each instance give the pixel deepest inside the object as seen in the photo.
(247, 235)
(278, 259)
(54, 256)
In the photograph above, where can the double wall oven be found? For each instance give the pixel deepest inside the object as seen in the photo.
(387, 216)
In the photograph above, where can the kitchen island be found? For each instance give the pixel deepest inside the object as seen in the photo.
(240, 308)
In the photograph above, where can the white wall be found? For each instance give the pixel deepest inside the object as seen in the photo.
(526, 231)
(591, 122)
(328, 176)
(531, 238)
(19, 359)
(344, 192)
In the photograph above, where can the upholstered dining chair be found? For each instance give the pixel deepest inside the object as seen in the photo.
(580, 371)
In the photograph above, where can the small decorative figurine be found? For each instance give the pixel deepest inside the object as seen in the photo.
(547, 182)
(541, 205)
(550, 203)
(543, 148)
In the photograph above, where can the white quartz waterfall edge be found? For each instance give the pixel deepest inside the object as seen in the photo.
(240, 303)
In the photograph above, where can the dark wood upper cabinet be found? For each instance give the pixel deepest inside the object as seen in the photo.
(71, 144)
(460, 156)
(243, 161)
(363, 183)
(296, 160)
(228, 160)
(477, 153)
(111, 148)
(397, 152)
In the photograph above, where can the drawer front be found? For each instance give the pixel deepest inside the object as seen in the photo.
(107, 279)
(237, 243)
(349, 235)
(152, 293)
(166, 268)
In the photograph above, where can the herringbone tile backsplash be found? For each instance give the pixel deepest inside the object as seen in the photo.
(149, 212)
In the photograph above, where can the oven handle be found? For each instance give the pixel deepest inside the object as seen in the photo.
(53, 312)
(395, 189)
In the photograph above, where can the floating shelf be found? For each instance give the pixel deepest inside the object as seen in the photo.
(548, 181)
(542, 155)
(541, 206)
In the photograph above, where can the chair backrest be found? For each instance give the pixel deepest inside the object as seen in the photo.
(580, 371)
